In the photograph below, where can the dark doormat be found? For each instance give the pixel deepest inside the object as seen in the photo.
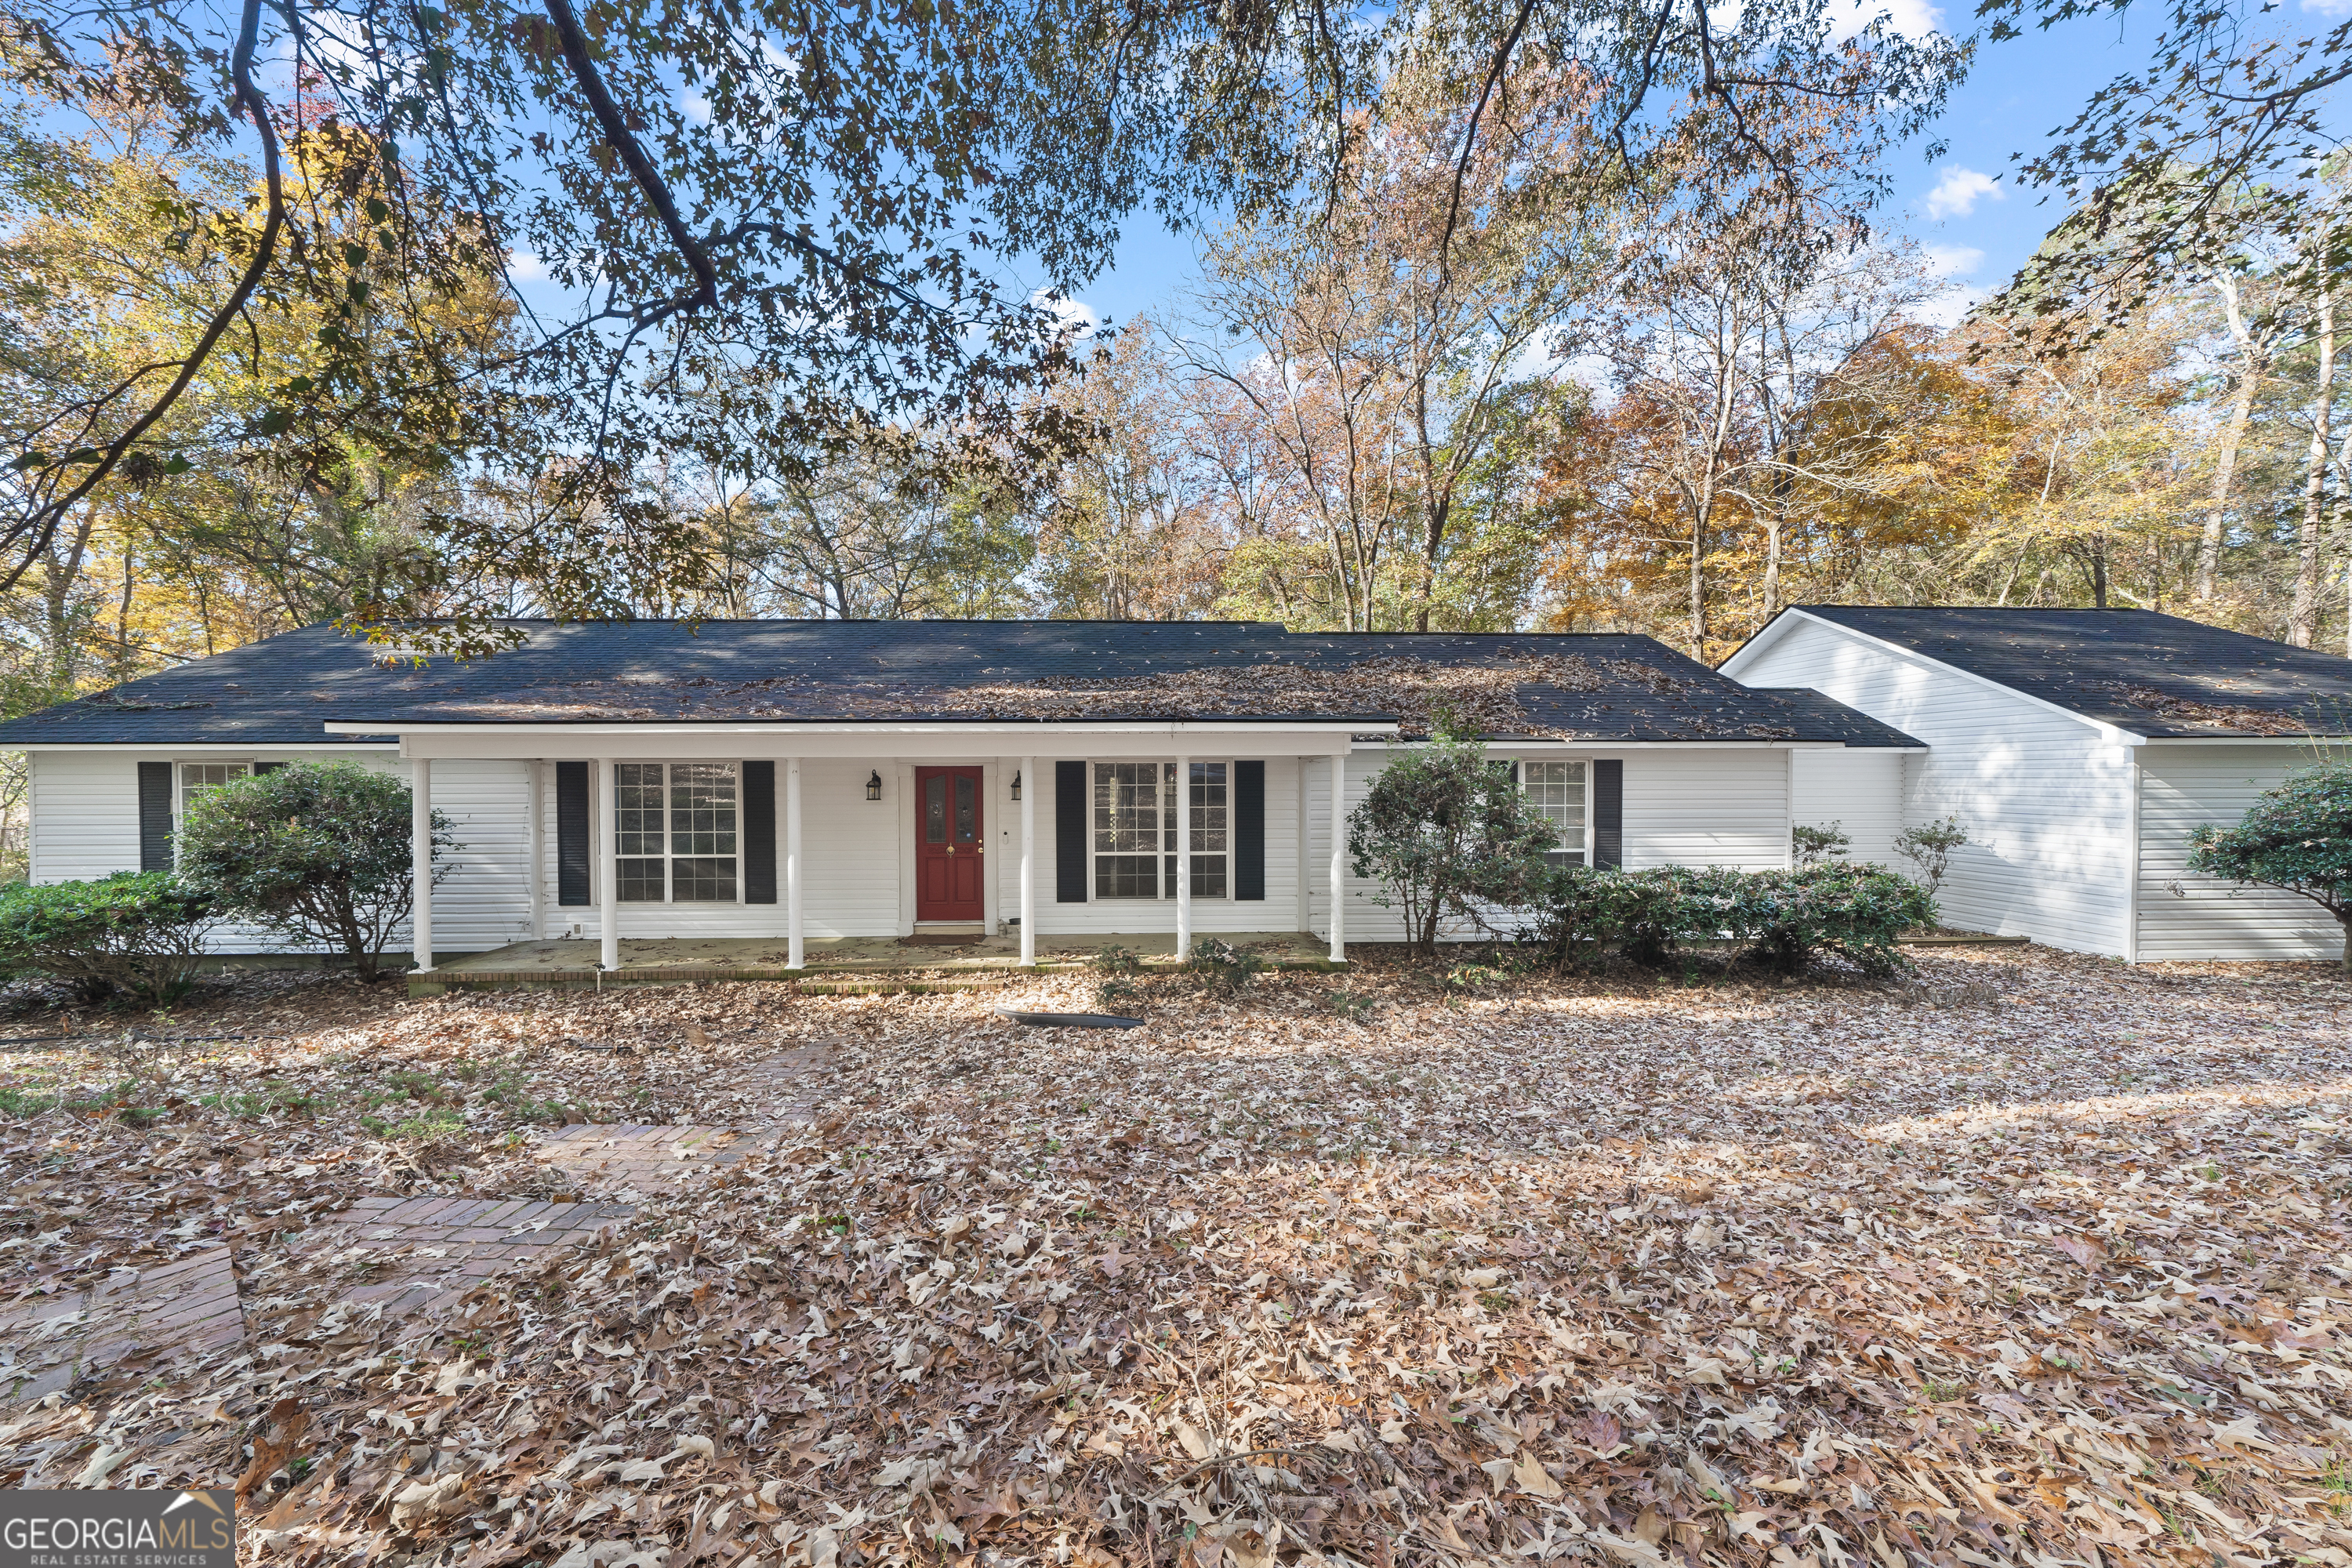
(932, 939)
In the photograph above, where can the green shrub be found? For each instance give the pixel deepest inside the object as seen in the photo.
(1446, 832)
(2296, 837)
(1780, 919)
(1929, 847)
(1229, 969)
(318, 853)
(139, 932)
(1785, 918)
(1812, 845)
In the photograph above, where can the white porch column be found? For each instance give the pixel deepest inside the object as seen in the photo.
(420, 849)
(1338, 858)
(1028, 860)
(1183, 806)
(535, 818)
(1302, 881)
(792, 863)
(608, 877)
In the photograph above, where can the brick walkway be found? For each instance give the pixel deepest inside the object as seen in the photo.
(784, 1088)
(52, 1341)
(420, 1251)
(631, 1163)
(413, 1252)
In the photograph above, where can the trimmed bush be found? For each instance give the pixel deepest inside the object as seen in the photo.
(1856, 911)
(318, 853)
(1446, 832)
(1781, 920)
(2296, 837)
(138, 931)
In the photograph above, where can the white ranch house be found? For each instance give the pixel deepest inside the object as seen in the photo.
(812, 782)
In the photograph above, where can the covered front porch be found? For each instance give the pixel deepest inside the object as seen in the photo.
(679, 959)
(708, 850)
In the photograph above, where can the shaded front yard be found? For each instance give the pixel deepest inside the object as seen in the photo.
(2035, 1258)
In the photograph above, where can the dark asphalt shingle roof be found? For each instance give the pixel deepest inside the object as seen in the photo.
(2150, 674)
(280, 692)
(1827, 719)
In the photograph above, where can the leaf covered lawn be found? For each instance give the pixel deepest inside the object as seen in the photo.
(2038, 1260)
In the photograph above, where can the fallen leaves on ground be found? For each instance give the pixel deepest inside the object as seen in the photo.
(2038, 1260)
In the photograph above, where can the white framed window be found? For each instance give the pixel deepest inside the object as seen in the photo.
(1134, 826)
(197, 778)
(676, 833)
(1557, 789)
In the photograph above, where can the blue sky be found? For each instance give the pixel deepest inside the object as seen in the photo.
(1962, 205)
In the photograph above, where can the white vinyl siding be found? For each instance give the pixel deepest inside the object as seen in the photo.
(2183, 917)
(2046, 797)
(1701, 807)
(1859, 791)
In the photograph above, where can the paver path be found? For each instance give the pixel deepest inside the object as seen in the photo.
(420, 1251)
(50, 1342)
(632, 1162)
(410, 1252)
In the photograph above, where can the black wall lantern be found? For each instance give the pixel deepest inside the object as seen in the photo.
(1016, 783)
(874, 786)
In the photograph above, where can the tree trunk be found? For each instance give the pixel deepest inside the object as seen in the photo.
(1699, 585)
(1771, 565)
(2209, 548)
(2302, 626)
(2345, 920)
(2099, 571)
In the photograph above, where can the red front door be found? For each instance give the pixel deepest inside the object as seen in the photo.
(947, 845)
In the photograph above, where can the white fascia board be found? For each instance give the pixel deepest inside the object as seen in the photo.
(818, 741)
(2114, 734)
(190, 748)
(1753, 649)
(2249, 739)
(1609, 748)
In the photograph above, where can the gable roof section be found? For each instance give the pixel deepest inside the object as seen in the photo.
(281, 691)
(2148, 674)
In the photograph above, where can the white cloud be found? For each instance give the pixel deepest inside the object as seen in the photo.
(1953, 261)
(523, 266)
(1911, 19)
(1078, 319)
(2328, 7)
(1958, 193)
(696, 107)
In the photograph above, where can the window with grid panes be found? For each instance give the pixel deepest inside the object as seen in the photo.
(1557, 789)
(675, 833)
(1134, 838)
(197, 778)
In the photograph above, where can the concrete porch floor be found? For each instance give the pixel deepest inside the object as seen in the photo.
(764, 958)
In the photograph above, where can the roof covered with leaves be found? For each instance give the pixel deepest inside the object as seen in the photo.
(282, 691)
(2151, 674)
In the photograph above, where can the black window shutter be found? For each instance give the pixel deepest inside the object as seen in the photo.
(571, 881)
(1249, 831)
(759, 833)
(1609, 814)
(261, 768)
(154, 817)
(1069, 833)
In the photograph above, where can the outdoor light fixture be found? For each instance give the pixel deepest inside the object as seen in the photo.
(874, 785)
(1016, 783)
